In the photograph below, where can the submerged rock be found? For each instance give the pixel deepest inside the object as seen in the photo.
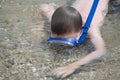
(114, 6)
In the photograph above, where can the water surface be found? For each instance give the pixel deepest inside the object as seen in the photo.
(26, 55)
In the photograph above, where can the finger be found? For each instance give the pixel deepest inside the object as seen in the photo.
(54, 72)
(58, 73)
(67, 74)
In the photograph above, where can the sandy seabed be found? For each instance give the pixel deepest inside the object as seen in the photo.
(26, 55)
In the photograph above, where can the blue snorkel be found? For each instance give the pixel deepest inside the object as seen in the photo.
(75, 42)
(88, 22)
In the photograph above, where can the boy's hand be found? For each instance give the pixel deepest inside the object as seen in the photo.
(64, 71)
(47, 10)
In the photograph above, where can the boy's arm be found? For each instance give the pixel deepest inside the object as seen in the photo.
(100, 50)
(99, 45)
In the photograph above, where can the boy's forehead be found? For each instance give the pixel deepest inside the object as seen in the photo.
(70, 34)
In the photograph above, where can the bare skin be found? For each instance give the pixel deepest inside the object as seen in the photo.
(83, 6)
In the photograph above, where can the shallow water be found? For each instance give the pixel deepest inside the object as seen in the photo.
(26, 55)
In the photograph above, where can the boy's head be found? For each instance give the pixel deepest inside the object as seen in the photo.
(66, 20)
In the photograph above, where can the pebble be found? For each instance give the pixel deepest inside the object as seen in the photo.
(0, 6)
(14, 72)
(36, 74)
(21, 66)
(29, 64)
(34, 69)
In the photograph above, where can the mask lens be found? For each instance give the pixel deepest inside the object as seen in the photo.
(63, 45)
(63, 41)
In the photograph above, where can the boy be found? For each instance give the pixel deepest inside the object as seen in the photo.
(68, 21)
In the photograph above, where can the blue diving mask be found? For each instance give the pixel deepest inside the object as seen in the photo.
(83, 34)
(65, 40)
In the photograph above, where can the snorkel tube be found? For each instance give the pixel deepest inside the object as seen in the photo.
(88, 22)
